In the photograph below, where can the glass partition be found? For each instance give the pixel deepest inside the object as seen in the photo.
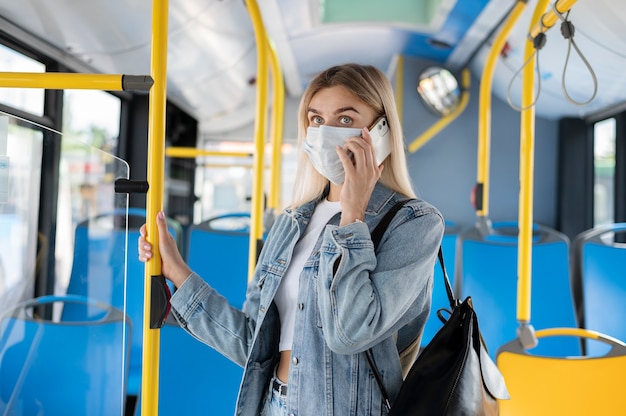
(69, 352)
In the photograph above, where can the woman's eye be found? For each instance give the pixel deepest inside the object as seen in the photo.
(317, 120)
(345, 120)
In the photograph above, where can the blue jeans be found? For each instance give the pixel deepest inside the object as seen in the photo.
(275, 403)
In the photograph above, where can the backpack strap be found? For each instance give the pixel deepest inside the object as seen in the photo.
(377, 234)
(381, 227)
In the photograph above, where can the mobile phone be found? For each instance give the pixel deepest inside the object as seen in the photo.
(380, 139)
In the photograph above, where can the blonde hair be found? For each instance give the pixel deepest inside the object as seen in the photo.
(372, 87)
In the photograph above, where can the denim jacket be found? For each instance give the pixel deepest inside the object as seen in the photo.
(349, 299)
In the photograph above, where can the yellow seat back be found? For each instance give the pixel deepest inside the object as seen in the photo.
(564, 385)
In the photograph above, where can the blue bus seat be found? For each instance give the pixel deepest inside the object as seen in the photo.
(599, 282)
(218, 251)
(440, 298)
(63, 367)
(98, 273)
(194, 379)
(486, 270)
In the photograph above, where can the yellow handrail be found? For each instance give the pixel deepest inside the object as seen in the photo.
(444, 121)
(154, 201)
(527, 160)
(549, 18)
(191, 152)
(62, 81)
(484, 110)
(278, 112)
(256, 214)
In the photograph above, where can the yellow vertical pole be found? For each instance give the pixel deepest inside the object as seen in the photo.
(256, 215)
(527, 161)
(484, 110)
(278, 113)
(154, 203)
(400, 86)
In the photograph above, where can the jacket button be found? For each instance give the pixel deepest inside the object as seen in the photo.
(301, 306)
(295, 360)
(262, 309)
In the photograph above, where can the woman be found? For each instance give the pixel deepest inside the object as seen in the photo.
(320, 295)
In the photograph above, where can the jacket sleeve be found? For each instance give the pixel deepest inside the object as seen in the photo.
(363, 297)
(209, 317)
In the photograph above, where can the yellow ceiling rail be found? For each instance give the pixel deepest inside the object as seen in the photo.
(256, 214)
(527, 161)
(550, 18)
(444, 121)
(62, 81)
(484, 111)
(278, 114)
(191, 152)
(154, 201)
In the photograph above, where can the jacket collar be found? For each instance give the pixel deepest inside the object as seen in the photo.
(381, 195)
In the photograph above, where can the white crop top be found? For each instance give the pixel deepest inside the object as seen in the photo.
(287, 294)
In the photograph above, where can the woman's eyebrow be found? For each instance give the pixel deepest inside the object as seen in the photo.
(338, 111)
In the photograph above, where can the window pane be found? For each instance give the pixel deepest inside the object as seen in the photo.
(604, 171)
(26, 99)
(224, 183)
(20, 242)
(92, 117)
(87, 170)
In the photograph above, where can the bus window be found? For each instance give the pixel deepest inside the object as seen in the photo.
(224, 183)
(91, 123)
(18, 221)
(604, 171)
(27, 99)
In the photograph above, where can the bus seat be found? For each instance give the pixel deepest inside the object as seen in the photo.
(577, 385)
(218, 251)
(486, 270)
(599, 282)
(62, 367)
(439, 297)
(194, 379)
(98, 273)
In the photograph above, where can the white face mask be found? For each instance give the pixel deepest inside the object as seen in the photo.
(320, 144)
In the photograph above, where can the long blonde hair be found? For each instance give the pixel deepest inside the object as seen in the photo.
(372, 87)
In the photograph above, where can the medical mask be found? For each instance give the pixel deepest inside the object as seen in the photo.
(320, 144)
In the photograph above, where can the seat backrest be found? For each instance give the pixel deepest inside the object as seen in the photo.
(61, 367)
(599, 281)
(188, 368)
(218, 251)
(577, 385)
(98, 272)
(486, 270)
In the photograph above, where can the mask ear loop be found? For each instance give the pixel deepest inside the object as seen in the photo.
(567, 30)
(538, 42)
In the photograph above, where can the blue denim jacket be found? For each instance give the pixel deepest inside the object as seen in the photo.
(349, 300)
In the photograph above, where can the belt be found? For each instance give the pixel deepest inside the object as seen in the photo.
(281, 388)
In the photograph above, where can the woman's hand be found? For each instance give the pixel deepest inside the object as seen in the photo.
(361, 174)
(173, 267)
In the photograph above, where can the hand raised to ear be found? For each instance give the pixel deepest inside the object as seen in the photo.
(361, 174)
